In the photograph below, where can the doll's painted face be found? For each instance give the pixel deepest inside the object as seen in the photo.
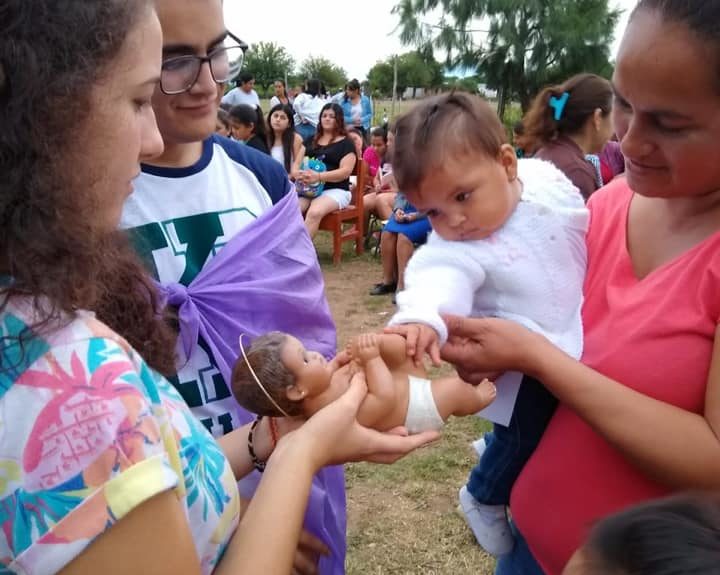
(310, 369)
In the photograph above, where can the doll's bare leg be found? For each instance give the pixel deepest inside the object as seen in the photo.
(453, 396)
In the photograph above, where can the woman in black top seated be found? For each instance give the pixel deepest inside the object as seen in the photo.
(333, 148)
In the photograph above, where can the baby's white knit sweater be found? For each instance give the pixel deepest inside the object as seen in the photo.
(530, 271)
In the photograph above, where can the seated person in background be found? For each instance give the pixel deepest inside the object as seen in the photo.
(380, 199)
(405, 229)
(673, 536)
(285, 144)
(244, 92)
(278, 377)
(374, 155)
(247, 125)
(612, 161)
(222, 124)
(508, 241)
(332, 147)
(523, 149)
(357, 139)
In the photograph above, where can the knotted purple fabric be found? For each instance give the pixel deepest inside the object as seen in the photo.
(267, 278)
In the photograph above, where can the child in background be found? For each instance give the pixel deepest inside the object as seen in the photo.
(222, 123)
(508, 241)
(247, 125)
(673, 536)
(285, 144)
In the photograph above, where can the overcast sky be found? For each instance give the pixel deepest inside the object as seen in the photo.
(352, 33)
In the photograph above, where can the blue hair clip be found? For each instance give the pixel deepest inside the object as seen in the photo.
(558, 105)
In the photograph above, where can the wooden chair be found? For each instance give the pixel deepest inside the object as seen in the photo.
(347, 224)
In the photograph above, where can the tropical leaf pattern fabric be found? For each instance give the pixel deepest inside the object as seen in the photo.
(87, 433)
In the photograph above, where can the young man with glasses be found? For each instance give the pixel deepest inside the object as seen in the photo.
(196, 198)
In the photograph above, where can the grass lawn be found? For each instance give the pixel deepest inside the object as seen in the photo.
(401, 517)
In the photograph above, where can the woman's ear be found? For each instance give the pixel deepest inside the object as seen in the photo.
(508, 159)
(597, 119)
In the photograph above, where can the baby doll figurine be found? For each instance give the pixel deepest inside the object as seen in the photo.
(279, 377)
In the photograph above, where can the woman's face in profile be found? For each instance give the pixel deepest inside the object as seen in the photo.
(666, 111)
(121, 130)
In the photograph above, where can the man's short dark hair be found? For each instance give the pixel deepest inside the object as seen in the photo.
(245, 77)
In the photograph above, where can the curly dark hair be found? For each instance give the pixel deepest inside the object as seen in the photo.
(52, 53)
(264, 358)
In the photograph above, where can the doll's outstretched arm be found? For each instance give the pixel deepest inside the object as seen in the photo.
(381, 397)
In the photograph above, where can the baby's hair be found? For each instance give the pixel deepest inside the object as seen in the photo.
(265, 358)
(673, 536)
(454, 125)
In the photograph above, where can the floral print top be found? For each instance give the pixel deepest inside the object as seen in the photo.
(87, 433)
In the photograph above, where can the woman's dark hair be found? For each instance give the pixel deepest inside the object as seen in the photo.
(563, 109)
(264, 358)
(447, 126)
(288, 136)
(223, 117)
(313, 87)
(284, 87)
(702, 17)
(245, 77)
(675, 536)
(53, 245)
(249, 116)
(519, 128)
(379, 133)
(339, 122)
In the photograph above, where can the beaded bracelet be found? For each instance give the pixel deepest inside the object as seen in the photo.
(258, 463)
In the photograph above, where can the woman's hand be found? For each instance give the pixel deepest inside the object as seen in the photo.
(333, 436)
(480, 347)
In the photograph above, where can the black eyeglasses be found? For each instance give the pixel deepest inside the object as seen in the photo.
(179, 74)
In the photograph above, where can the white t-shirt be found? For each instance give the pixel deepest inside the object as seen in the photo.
(238, 96)
(307, 108)
(278, 154)
(179, 219)
(530, 271)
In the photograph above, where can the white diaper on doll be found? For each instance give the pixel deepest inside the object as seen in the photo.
(422, 414)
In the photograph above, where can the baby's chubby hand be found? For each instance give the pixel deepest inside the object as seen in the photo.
(421, 339)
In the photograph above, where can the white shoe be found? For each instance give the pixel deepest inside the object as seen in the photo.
(488, 523)
(479, 446)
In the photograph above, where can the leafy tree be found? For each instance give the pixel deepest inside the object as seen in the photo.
(268, 62)
(527, 43)
(380, 78)
(414, 70)
(332, 75)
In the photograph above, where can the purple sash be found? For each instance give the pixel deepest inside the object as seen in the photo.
(267, 278)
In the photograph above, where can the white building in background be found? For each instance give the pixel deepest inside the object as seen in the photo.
(486, 92)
